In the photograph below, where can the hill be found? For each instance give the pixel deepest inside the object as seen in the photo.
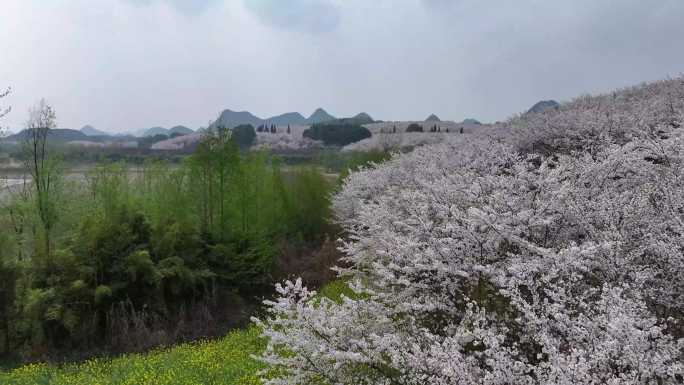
(555, 249)
(319, 116)
(362, 118)
(92, 131)
(154, 131)
(471, 121)
(290, 118)
(57, 135)
(357, 120)
(182, 130)
(232, 119)
(542, 106)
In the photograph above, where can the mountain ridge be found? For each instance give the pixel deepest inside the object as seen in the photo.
(92, 131)
(542, 106)
(231, 119)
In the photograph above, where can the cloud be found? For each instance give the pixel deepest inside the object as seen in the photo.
(311, 16)
(440, 3)
(184, 6)
(127, 64)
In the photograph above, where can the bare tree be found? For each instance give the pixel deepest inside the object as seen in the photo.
(4, 295)
(42, 167)
(6, 110)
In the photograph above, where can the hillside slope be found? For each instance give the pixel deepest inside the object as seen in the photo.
(92, 131)
(229, 118)
(549, 254)
(57, 135)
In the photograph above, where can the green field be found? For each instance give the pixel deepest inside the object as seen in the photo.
(226, 361)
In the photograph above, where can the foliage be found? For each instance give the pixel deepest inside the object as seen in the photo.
(414, 127)
(485, 262)
(43, 168)
(154, 241)
(337, 134)
(228, 360)
(147, 141)
(244, 135)
(306, 205)
(360, 160)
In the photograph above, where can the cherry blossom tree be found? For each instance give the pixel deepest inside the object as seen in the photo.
(550, 251)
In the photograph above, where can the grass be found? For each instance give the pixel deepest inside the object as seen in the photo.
(335, 289)
(227, 361)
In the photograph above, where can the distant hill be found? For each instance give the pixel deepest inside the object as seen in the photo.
(543, 106)
(363, 118)
(319, 116)
(357, 120)
(293, 118)
(92, 131)
(433, 118)
(182, 130)
(154, 131)
(471, 121)
(232, 119)
(59, 135)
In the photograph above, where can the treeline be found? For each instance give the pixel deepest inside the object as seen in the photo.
(337, 134)
(129, 259)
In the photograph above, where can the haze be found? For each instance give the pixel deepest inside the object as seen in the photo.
(122, 65)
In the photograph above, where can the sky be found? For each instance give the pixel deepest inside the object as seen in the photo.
(123, 65)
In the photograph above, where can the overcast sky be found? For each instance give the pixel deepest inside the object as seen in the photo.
(127, 64)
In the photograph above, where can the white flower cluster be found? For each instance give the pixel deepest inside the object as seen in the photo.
(477, 261)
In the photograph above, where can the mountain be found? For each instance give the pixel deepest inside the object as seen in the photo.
(293, 118)
(319, 116)
(231, 119)
(182, 130)
(357, 120)
(471, 121)
(154, 131)
(363, 118)
(543, 106)
(60, 135)
(92, 131)
(433, 118)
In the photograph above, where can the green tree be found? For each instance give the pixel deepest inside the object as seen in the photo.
(414, 127)
(43, 167)
(244, 136)
(337, 134)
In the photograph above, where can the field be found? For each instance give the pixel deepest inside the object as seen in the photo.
(227, 361)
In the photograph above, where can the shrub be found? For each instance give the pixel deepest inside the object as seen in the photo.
(244, 136)
(337, 134)
(414, 127)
